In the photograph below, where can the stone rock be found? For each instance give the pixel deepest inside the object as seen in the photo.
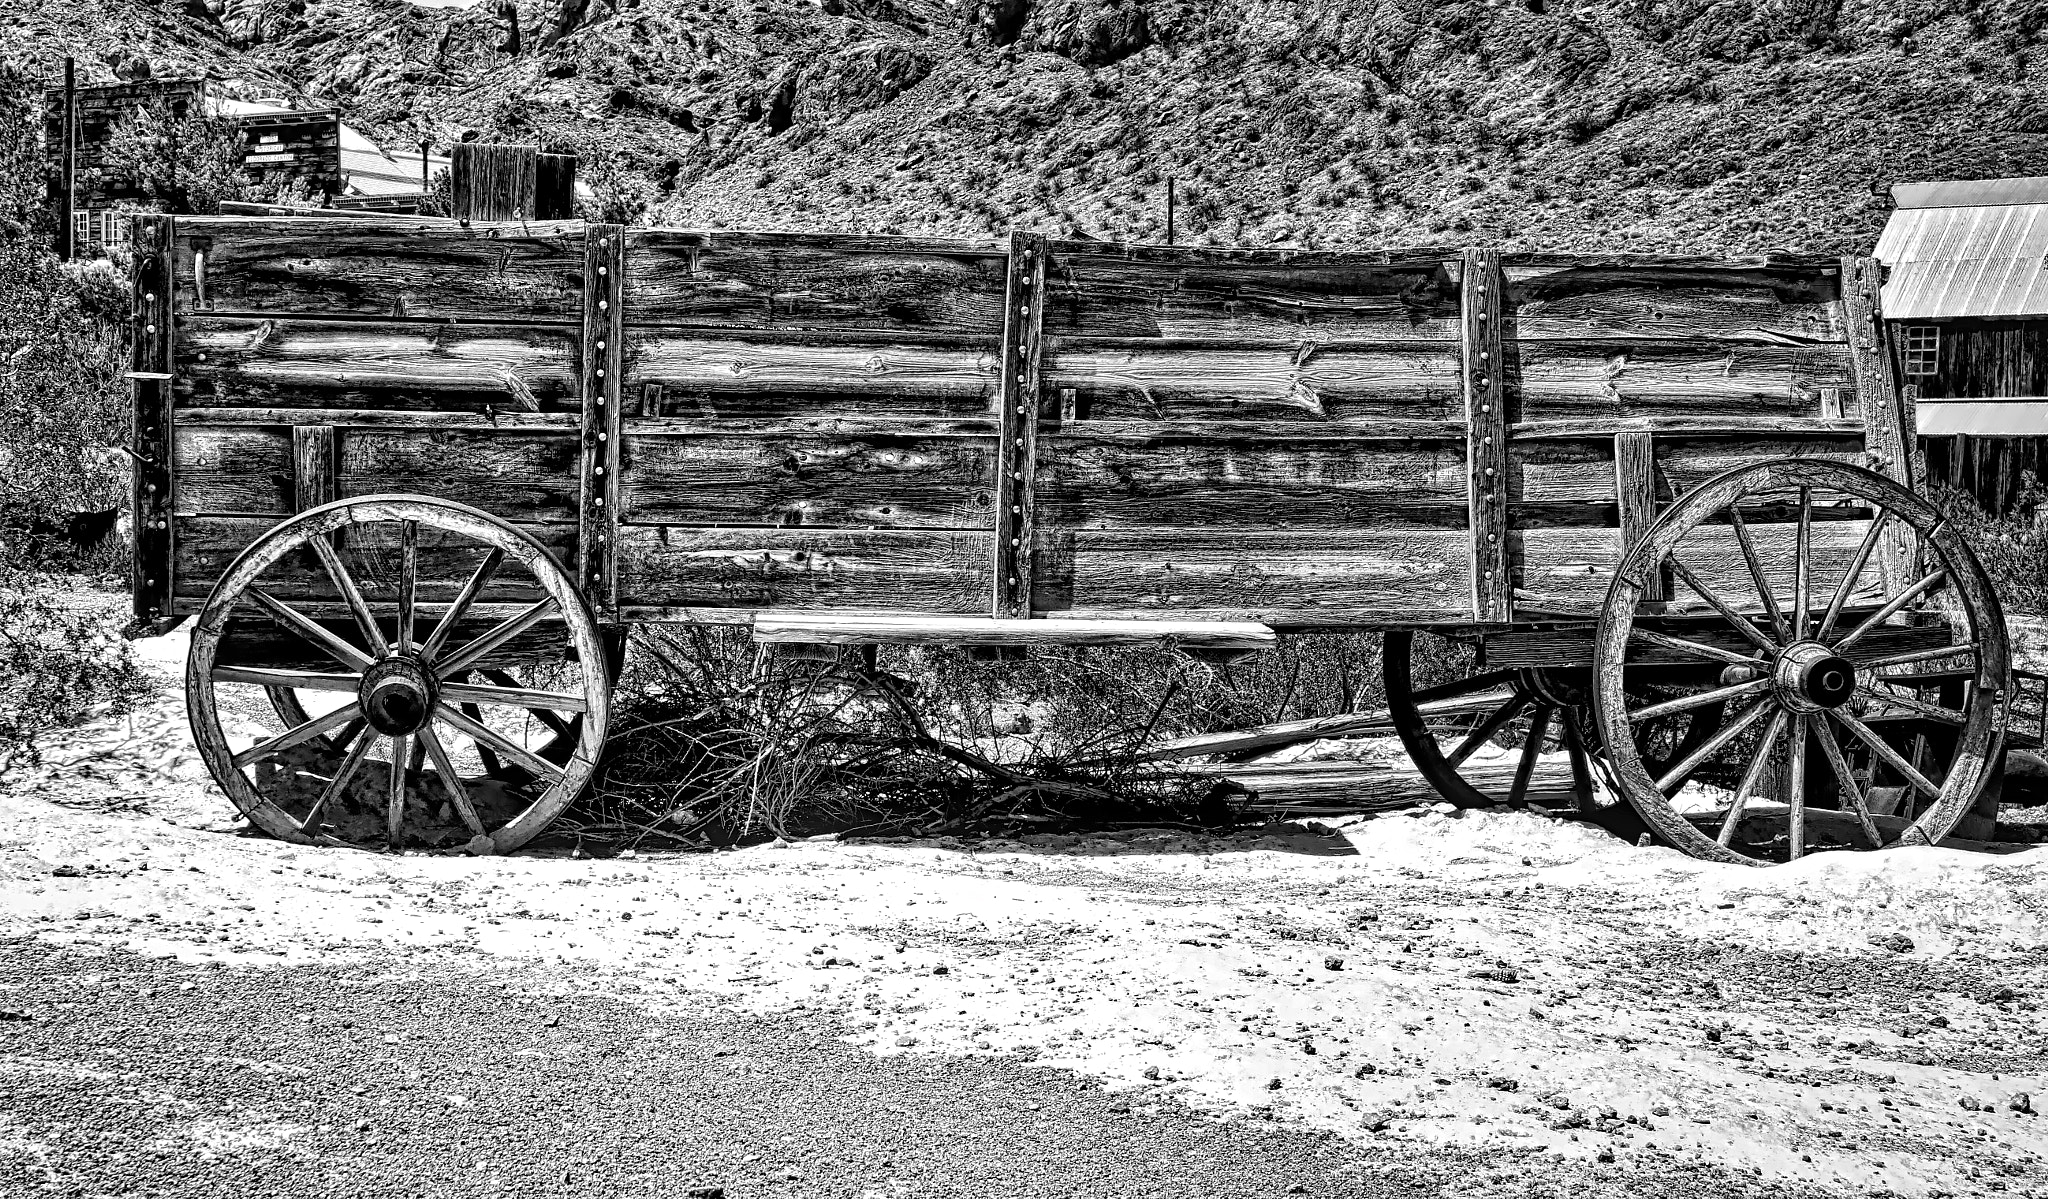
(2021, 1102)
(1333, 962)
(1895, 942)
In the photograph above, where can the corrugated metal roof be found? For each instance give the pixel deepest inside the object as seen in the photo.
(1970, 193)
(1987, 260)
(2021, 417)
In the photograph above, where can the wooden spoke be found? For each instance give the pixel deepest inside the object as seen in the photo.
(1539, 729)
(1848, 587)
(1758, 763)
(458, 791)
(1795, 783)
(359, 746)
(505, 631)
(394, 803)
(1913, 704)
(1676, 776)
(408, 580)
(1487, 728)
(298, 679)
(1801, 574)
(1742, 623)
(344, 582)
(1462, 686)
(514, 697)
(1921, 655)
(1576, 746)
(503, 745)
(1869, 737)
(1846, 779)
(296, 736)
(1885, 613)
(1756, 572)
(1711, 653)
(437, 640)
(334, 647)
(1686, 703)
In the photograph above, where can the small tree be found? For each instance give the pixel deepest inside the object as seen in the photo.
(191, 163)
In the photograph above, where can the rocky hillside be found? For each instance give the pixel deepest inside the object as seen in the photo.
(1624, 124)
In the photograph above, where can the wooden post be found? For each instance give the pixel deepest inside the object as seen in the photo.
(67, 170)
(313, 467)
(1169, 210)
(1017, 438)
(1635, 494)
(604, 269)
(1890, 432)
(1486, 438)
(150, 364)
(494, 183)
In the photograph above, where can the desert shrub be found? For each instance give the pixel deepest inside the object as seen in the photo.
(2013, 547)
(62, 402)
(714, 740)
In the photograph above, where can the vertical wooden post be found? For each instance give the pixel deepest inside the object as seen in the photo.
(313, 467)
(1170, 182)
(1890, 429)
(150, 365)
(1017, 435)
(1635, 494)
(604, 269)
(67, 169)
(1486, 439)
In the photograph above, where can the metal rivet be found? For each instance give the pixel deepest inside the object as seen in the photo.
(600, 343)
(149, 329)
(149, 296)
(603, 305)
(1486, 407)
(600, 372)
(1018, 508)
(1024, 310)
(600, 435)
(1013, 581)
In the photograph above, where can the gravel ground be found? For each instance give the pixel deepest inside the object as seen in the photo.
(124, 1075)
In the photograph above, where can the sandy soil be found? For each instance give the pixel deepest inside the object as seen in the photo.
(1496, 980)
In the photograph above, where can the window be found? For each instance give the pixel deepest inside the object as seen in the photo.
(81, 232)
(1923, 351)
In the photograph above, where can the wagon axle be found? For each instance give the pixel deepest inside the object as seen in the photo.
(398, 694)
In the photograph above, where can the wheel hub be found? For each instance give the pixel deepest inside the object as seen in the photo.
(1810, 677)
(397, 695)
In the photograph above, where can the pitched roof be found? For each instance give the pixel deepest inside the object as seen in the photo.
(1967, 259)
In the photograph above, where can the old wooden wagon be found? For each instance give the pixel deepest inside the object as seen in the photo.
(1658, 514)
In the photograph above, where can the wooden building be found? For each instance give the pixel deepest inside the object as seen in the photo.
(1965, 299)
(284, 141)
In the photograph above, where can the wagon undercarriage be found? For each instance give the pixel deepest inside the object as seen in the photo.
(1654, 516)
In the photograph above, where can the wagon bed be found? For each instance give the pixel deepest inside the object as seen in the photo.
(847, 439)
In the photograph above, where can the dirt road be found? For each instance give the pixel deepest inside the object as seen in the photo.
(1497, 1003)
(122, 1075)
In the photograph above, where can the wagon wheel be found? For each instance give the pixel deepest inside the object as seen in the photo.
(1858, 721)
(1452, 727)
(290, 707)
(397, 685)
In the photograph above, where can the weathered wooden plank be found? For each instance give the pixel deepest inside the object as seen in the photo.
(153, 554)
(1732, 426)
(206, 544)
(757, 378)
(244, 471)
(1091, 481)
(604, 277)
(1564, 380)
(1545, 476)
(1486, 448)
(252, 640)
(314, 480)
(1567, 570)
(224, 361)
(1635, 490)
(1017, 440)
(361, 267)
(1289, 577)
(900, 481)
(519, 476)
(1303, 381)
(886, 570)
(1784, 304)
(813, 281)
(784, 628)
(1149, 291)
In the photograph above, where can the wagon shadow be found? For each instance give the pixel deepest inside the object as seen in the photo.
(1142, 841)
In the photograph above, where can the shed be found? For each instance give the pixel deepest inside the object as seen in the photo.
(1965, 299)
